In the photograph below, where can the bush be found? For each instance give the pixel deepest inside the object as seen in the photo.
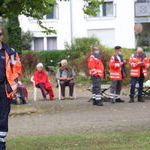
(26, 38)
(51, 58)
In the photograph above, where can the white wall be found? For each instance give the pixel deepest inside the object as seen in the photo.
(61, 25)
(125, 23)
(117, 30)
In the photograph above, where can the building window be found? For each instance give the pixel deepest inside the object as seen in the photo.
(107, 9)
(53, 14)
(141, 1)
(51, 43)
(39, 43)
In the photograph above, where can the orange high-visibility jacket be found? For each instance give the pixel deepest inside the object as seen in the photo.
(13, 70)
(135, 68)
(115, 68)
(95, 66)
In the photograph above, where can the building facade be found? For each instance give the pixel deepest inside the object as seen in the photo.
(113, 25)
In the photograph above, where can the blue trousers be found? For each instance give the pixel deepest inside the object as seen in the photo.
(134, 81)
(4, 112)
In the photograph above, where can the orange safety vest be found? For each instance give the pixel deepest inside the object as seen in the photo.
(115, 69)
(13, 71)
(95, 66)
(135, 68)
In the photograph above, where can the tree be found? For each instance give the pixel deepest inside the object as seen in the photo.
(11, 9)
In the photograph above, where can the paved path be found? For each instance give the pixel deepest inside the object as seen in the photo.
(80, 116)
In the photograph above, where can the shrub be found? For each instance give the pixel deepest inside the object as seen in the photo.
(51, 58)
(26, 38)
(29, 61)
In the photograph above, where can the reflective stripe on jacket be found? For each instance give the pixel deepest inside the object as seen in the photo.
(115, 69)
(135, 68)
(95, 66)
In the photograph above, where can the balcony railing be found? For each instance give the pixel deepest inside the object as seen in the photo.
(142, 9)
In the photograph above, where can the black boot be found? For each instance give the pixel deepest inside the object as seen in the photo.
(140, 99)
(99, 103)
(131, 99)
(94, 101)
(118, 100)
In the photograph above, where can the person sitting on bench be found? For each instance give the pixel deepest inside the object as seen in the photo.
(41, 81)
(66, 76)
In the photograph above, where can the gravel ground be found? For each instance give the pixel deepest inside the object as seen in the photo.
(80, 116)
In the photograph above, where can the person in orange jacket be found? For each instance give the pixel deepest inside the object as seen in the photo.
(117, 73)
(139, 64)
(96, 71)
(10, 70)
(42, 82)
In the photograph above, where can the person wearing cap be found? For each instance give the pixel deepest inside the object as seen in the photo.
(139, 64)
(41, 81)
(117, 74)
(66, 76)
(96, 71)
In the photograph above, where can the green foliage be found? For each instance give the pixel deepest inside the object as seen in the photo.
(143, 39)
(80, 46)
(51, 58)
(48, 58)
(92, 7)
(29, 61)
(78, 50)
(26, 38)
(14, 33)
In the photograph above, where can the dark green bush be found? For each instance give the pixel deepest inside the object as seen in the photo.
(48, 58)
(80, 46)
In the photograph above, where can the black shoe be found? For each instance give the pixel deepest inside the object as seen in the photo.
(23, 101)
(140, 99)
(131, 100)
(99, 103)
(94, 101)
(118, 100)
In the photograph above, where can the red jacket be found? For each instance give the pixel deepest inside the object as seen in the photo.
(135, 68)
(115, 68)
(41, 77)
(95, 66)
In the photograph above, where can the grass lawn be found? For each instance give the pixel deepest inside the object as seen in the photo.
(103, 141)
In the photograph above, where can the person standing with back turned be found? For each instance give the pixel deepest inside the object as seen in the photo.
(10, 70)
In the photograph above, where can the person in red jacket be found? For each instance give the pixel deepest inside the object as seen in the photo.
(117, 73)
(139, 64)
(41, 81)
(96, 71)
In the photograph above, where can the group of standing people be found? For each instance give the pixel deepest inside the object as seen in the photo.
(139, 63)
(10, 72)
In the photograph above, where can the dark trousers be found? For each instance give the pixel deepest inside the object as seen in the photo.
(21, 91)
(63, 85)
(134, 80)
(45, 90)
(115, 87)
(96, 81)
(4, 112)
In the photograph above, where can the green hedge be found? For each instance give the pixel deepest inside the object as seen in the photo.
(49, 58)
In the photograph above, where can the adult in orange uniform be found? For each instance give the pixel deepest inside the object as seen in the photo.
(42, 82)
(96, 71)
(10, 70)
(117, 73)
(139, 64)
